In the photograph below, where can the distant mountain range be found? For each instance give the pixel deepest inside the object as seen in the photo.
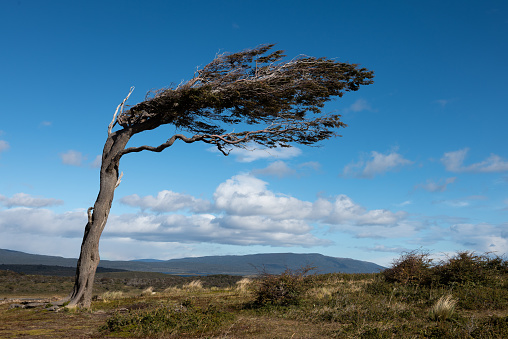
(229, 264)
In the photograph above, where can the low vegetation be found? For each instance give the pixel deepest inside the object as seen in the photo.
(464, 296)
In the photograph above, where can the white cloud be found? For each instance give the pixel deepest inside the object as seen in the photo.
(167, 201)
(4, 145)
(245, 195)
(454, 162)
(251, 153)
(277, 168)
(31, 222)
(345, 211)
(360, 105)
(440, 186)
(72, 158)
(230, 230)
(377, 163)
(26, 200)
(243, 212)
(481, 237)
(46, 123)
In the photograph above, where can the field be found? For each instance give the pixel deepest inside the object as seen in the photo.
(465, 297)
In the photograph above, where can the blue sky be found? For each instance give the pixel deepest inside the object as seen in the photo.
(423, 162)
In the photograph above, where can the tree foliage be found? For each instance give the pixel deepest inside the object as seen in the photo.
(252, 87)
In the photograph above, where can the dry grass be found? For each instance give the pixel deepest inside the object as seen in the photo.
(193, 285)
(111, 295)
(148, 291)
(443, 309)
(244, 286)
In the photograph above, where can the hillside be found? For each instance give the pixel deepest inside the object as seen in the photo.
(230, 264)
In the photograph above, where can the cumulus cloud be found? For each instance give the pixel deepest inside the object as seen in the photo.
(167, 201)
(454, 162)
(73, 158)
(40, 221)
(345, 211)
(377, 163)
(244, 211)
(440, 186)
(230, 230)
(245, 195)
(252, 153)
(277, 168)
(481, 237)
(26, 200)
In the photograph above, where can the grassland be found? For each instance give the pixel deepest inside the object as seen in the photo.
(464, 297)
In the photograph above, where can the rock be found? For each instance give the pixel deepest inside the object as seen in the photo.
(16, 306)
(53, 308)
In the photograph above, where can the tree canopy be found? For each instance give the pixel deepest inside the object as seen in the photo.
(252, 87)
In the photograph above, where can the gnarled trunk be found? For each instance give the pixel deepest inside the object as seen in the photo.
(89, 256)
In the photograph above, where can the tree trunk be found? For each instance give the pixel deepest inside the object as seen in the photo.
(89, 257)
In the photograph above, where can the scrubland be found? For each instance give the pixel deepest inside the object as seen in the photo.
(464, 296)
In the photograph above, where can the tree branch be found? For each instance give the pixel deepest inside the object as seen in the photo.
(120, 106)
(119, 180)
(277, 134)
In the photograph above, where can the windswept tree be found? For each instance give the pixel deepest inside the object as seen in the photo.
(280, 100)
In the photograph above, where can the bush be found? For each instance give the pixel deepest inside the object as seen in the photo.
(412, 268)
(282, 289)
(168, 321)
(467, 268)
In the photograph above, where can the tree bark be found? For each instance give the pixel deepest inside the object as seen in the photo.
(89, 258)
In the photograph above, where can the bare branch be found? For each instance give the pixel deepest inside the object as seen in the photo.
(277, 134)
(120, 106)
(119, 180)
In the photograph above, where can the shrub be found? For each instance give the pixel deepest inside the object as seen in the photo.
(412, 268)
(467, 268)
(168, 321)
(282, 289)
